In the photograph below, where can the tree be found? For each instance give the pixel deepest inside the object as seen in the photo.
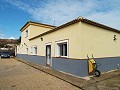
(19, 40)
(2, 45)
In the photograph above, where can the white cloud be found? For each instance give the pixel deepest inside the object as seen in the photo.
(2, 35)
(111, 18)
(103, 11)
(62, 11)
(11, 37)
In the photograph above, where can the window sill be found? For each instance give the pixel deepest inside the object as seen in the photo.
(62, 57)
(34, 54)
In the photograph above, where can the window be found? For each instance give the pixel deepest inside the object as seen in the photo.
(34, 50)
(62, 48)
(26, 33)
(27, 50)
(31, 50)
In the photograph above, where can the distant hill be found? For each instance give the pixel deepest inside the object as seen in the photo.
(8, 41)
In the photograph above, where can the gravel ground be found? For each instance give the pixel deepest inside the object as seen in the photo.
(109, 84)
(107, 81)
(16, 75)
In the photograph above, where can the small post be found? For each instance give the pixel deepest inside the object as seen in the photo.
(54, 21)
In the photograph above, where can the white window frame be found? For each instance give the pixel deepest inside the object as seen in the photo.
(33, 50)
(26, 33)
(50, 43)
(57, 50)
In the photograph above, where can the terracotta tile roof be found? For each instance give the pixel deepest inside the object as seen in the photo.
(75, 21)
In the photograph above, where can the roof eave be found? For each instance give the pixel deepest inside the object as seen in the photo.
(31, 22)
(99, 25)
(75, 21)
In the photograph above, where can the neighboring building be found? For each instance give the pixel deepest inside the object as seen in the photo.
(65, 48)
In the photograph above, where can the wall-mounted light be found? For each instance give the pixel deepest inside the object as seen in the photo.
(114, 38)
(41, 39)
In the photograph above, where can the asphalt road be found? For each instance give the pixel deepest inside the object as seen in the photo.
(15, 75)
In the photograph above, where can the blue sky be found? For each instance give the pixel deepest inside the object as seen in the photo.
(15, 13)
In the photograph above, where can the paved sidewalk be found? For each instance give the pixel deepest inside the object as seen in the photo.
(78, 82)
(95, 83)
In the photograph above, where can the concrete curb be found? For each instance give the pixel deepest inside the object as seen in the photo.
(77, 82)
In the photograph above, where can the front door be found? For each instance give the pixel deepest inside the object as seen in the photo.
(48, 55)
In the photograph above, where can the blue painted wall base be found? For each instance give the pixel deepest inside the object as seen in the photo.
(72, 66)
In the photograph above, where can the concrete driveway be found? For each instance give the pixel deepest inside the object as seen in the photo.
(15, 75)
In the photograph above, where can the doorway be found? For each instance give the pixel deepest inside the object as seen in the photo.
(48, 55)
